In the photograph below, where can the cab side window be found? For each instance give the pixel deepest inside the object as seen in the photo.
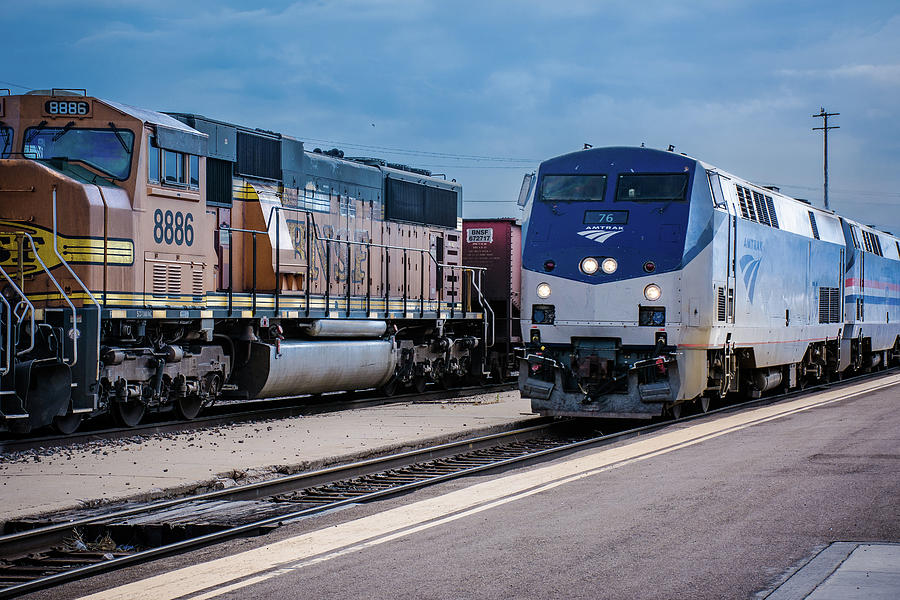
(172, 168)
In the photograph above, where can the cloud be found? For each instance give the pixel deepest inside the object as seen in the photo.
(882, 74)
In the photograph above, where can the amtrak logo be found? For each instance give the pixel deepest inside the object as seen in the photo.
(750, 269)
(599, 236)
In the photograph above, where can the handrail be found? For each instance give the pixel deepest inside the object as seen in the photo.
(29, 305)
(79, 282)
(313, 229)
(8, 343)
(484, 303)
(254, 233)
(62, 293)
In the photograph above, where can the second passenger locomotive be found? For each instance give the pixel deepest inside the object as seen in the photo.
(651, 279)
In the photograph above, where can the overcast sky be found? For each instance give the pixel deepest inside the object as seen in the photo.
(483, 91)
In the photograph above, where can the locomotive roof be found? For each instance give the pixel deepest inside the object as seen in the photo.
(153, 117)
(563, 158)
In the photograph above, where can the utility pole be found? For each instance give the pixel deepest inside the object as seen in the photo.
(824, 115)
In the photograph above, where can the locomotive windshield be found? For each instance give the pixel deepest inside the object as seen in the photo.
(652, 187)
(573, 188)
(108, 150)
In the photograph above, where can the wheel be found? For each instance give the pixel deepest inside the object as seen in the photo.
(66, 424)
(128, 414)
(418, 384)
(188, 408)
(703, 403)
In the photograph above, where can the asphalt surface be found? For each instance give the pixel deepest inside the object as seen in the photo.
(729, 517)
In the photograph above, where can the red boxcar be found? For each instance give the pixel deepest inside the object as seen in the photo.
(496, 244)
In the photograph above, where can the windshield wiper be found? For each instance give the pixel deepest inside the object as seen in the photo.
(64, 131)
(119, 137)
(6, 134)
(35, 131)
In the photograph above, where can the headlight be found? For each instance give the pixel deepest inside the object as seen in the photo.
(543, 290)
(652, 292)
(609, 266)
(590, 265)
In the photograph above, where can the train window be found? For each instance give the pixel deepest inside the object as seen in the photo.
(193, 171)
(153, 162)
(173, 167)
(6, 140)
(655, 187)
(573, 188)
(107, 150)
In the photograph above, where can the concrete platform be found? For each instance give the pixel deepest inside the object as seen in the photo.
(160, 465)
(846, 571)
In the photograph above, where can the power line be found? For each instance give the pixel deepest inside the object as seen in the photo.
(838, 191)
(423, 152)
(16, 85)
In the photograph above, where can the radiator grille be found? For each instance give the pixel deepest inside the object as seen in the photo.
(829, 305)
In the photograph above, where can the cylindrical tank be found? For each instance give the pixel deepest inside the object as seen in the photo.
(764, 380)
(346, 328)
(315, 367)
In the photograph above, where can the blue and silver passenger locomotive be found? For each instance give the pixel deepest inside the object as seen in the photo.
(651, 279)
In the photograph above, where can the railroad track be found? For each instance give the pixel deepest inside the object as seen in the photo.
(242, 412)
(55, 553)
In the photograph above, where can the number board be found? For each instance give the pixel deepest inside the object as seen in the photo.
(480, 235)
(605, 217)
(67, 108)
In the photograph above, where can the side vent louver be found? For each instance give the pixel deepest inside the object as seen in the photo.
(720, 304)
(761, 209)
(174, 282)
(829, 305)
(812, 222)
(772, 216)
(197, 282)
(159, 280)
(757, 207)
(166, 279)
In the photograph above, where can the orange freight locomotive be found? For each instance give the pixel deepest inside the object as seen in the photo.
(152, 261)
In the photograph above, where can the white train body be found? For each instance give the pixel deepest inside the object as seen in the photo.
(757, 290)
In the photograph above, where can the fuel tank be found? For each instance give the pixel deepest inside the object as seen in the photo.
(300, 367)
(336, 328)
